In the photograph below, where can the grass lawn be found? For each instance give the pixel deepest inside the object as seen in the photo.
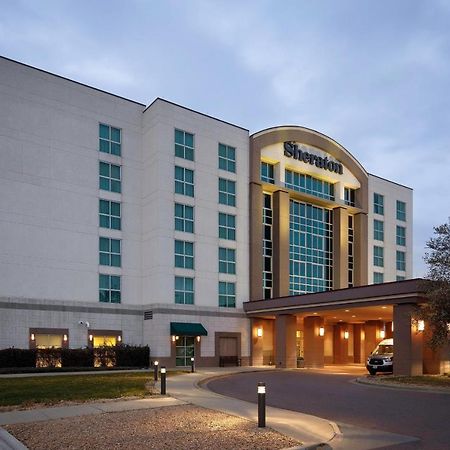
(53, 389)
(424, 380)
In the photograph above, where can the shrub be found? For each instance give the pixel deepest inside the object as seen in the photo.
(17, 357)
(132, 356)
(77, 357)
(48, 357)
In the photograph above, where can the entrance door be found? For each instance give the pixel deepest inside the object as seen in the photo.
(228, 346)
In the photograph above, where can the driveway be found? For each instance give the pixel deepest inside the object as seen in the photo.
(333, 395)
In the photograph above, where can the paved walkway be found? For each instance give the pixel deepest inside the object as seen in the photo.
(182, 389)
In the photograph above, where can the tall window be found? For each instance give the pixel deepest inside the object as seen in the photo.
(267, 246)
(109, 214)
(267, 173)
(184, 254)
(378, 230)
(109, 288)
(401, 235)
(184, 290)
(349, 196)
(401, 211)
(184, 145)
(184, 350)
(308, 184)
(184, 218)
(378, 277)
(378, 256)
(227, 192)
(378, 203)
(227, 158)
(401, 260)
(227, 226)
(109, 177)
(227, 294)
(184, 181)
(310, 248)
(109, 252)
(351, 253)
(110, 139)
(227, 260)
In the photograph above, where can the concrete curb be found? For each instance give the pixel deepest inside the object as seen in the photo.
(9, 442)
(401, 387)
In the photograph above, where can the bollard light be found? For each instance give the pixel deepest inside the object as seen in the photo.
(192, 365)
(155, 370)
(163, 380)
(261, 404)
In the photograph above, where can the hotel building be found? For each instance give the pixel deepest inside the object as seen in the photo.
(158, 225)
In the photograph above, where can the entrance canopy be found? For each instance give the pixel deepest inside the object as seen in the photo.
(187, 329)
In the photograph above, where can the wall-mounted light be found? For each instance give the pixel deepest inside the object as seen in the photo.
(392, 326)
(32, 336)
(346, 334)
(259, 332)
(420, 325)
(177, 337)
(119, 338)
(198, 338)
(321, 331)
(382, 334)
(91, 337)
(65, 338)
(173, 338)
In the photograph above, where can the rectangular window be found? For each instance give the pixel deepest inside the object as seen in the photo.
(109, 252)
(227, 260)
(378, 256)
(184, 290)
(109, 214)
(267, 173)
(401, 211)
(401, 235)
(349, 196)
(227, 192)
(109, 288)
(378, 203)
(109, 177)
(184, 145)
(184, 181)
(110, 139)
(227, 294)
(184, 218)
(308, 184)
(378, 277)
(227, 158)
(184, 254)
(227, 226)
(400, 277)
(401, 260)
(378, 230)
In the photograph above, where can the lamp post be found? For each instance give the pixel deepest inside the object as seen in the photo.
(163, 380)
(155, 370)
(192, 365)
(261, 405)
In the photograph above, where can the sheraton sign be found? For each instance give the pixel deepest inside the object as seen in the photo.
(291, 150)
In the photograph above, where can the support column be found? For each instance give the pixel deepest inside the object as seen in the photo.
(280, 243)
(256, 343)
(313, 342)
(340, 344)
(372, 337)
(340, 248)
(360, 276)
(285, 341)
(256, 242)
(358, 343)
(408, 342)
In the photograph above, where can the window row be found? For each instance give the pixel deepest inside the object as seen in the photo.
(184, 292)
(378, 258)
(378, 207)
(378, 232)
(378, 277)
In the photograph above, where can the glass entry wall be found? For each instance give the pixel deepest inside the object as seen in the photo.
(310, 248)
(184, 350)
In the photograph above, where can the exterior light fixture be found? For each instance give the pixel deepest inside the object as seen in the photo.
(346, 334)
(321, 331)
(392, 326)
(198, 338)
(261, 405)
(259, 332)
(65, 338)
(32, 336)
(173, 338)
(119, 338)
(177, 337)
(382, 334)
(420, 325)
(91, 337)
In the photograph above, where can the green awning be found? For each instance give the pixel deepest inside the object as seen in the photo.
(187, 329)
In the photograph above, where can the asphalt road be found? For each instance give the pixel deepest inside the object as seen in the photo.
(334, 396)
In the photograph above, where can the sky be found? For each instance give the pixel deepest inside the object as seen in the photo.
(374, 76)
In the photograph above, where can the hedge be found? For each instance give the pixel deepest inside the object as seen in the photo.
(118, 356)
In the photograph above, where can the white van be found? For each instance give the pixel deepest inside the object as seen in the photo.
(381, 359)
